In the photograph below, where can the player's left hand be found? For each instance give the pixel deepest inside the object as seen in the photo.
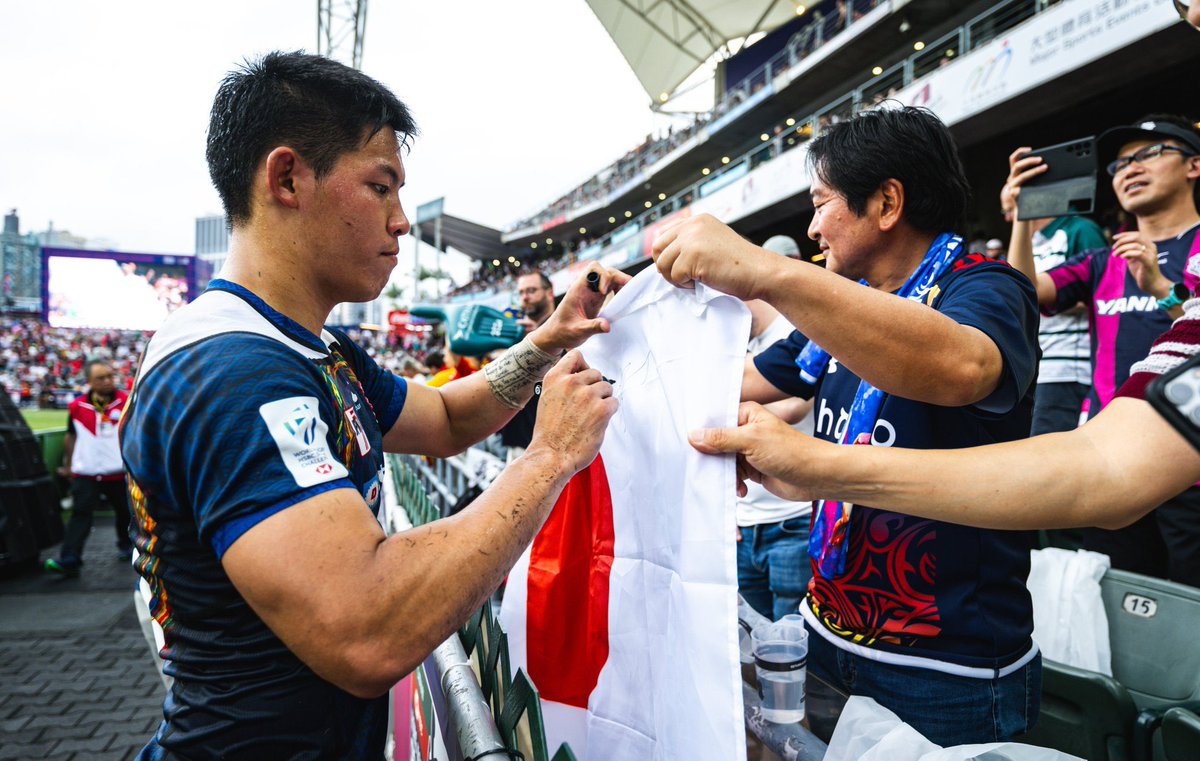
(575, 320)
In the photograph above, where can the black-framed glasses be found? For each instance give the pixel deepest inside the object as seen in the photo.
(1149, 153)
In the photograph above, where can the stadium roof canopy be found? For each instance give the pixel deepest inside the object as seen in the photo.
(475, 240)
(664, 41)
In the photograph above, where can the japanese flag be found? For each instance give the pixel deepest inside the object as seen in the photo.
(623, 610)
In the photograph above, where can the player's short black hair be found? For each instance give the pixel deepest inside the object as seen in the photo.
(911, 145)
(317, 106)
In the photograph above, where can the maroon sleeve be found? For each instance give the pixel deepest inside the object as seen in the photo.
(1171, 349)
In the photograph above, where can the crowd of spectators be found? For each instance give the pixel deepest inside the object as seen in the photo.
(44, 367)
(822, 28)
(41, 366)
(502, 278)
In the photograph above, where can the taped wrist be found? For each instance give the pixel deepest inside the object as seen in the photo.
(511, 377)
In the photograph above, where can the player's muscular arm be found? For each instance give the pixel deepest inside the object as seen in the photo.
(362, 610)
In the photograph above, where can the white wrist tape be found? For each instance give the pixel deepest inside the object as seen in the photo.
(511, 377)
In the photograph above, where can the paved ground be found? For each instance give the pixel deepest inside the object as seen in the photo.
(76, 677)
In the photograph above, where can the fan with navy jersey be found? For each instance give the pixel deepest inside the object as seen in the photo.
(917, 591)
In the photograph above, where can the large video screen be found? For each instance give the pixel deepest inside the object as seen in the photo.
(109, 289)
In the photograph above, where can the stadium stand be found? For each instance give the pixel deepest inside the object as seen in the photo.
(1001, 74)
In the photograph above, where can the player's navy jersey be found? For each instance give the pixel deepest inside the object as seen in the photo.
(918, 592)
(238, 413)
(1123, 319)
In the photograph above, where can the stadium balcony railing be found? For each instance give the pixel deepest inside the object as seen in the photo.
(975, 33)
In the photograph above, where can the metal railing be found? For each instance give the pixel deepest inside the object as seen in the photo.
(495, 714)
(976, 32)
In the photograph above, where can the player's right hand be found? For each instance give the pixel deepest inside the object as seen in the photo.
(573, 412)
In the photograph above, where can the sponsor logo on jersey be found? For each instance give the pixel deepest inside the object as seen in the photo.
(302, 423)
(1126, 304)
(299, 433)
(834, 426)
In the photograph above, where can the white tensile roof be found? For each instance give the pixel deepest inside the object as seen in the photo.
(666, 40)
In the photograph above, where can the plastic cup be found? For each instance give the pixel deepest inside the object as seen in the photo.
(781, 663)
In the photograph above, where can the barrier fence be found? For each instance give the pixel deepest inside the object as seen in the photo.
(493, 713)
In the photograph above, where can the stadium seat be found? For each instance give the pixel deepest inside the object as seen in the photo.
(1084, 713)
(1151, 625)
(1181, 735)
(1155, 667)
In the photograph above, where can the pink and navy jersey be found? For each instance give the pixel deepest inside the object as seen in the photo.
(918, 592)
(1123, 319)
(239, 413)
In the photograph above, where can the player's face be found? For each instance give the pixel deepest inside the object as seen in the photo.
(356, 220)
(846, 239)
(1144, 187)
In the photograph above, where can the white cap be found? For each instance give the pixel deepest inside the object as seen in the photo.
(782, 244)
(995, 243)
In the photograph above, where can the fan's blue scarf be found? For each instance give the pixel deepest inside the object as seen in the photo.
(831, 520)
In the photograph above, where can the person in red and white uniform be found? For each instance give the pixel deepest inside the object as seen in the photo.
(92, 460)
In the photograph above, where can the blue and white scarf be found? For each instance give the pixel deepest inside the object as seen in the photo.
(831, 520)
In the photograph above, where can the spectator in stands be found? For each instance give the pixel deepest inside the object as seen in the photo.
(1065, 369)
(931, 619)
(994, 249)
(92, 460)
(1113, 470)
(453, 367)
(772, 533)
(1132, 291)
(287, 613)
(537, 301)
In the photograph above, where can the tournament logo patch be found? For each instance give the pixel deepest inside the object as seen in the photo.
(299, 433)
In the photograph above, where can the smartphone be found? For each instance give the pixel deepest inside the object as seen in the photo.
(1176, 396)
(1068, 186)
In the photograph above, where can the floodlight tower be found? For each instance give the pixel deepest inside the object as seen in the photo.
(341, 24)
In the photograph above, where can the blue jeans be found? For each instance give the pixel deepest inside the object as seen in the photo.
(773, 566)
(945, 708)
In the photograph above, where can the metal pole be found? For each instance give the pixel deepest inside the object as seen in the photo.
(437, 244)
(416, 231)
(469, 712)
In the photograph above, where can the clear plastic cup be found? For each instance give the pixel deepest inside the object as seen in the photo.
(781, 663)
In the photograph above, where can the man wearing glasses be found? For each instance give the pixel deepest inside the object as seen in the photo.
(537, 301)
(1132, 292)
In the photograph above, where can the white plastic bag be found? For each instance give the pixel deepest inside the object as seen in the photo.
(1069, 622)
(867, 731)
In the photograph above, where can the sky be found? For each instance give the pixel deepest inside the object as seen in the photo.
(105, 105)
